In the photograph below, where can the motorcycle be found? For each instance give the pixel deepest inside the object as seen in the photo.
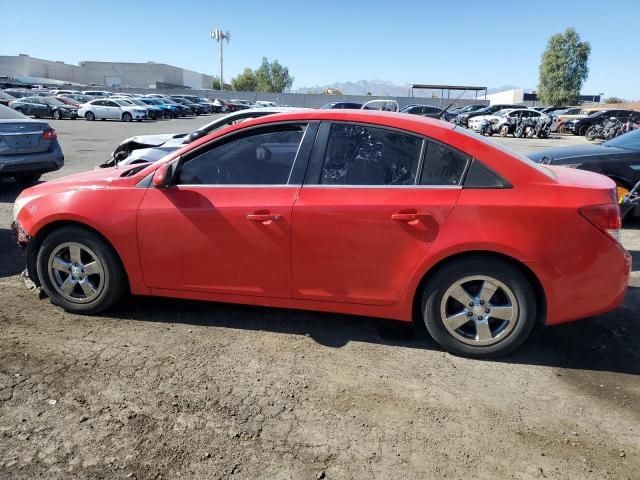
(630, 201)
(486, 128)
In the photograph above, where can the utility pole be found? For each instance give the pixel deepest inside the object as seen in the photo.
(220, 36)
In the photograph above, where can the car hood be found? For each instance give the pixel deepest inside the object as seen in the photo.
(577, 151)
(152, 140)
(92, 180)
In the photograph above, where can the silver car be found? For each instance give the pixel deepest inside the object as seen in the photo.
(151, 148)
(28, 148)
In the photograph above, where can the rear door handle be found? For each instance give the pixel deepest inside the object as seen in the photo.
(408, 217)
(263, 217)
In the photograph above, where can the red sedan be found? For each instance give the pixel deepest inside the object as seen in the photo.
(358, 212)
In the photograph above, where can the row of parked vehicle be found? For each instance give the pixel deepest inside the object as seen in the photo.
(104, 105)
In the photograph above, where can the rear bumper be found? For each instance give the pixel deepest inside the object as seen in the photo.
(584, 285)
(11, 165)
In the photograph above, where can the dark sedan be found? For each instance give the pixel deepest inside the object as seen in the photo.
(28, 148)
(422, 110)
(47, 107)
(618, 159)
(342, 105)
(579, 126)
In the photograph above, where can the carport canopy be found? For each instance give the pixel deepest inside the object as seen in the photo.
(447, 88)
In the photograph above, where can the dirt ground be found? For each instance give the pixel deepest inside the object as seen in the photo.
(175, 389)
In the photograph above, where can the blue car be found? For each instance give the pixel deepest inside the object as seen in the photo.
(168, 111)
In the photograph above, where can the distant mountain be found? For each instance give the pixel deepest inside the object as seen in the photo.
(383, 88)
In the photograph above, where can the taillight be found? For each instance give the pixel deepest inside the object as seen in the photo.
(49, 134)
(605, 217)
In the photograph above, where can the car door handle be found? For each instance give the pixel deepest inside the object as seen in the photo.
(408, 217)
(263, 217)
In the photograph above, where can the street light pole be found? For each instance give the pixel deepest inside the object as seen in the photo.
(220, 36)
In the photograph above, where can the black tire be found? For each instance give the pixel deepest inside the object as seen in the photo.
(518, 132)
(126, 117)
(583, 130)
(57, 115)
(90, 116)
(114, 286)
(492, 267)
(28, 178)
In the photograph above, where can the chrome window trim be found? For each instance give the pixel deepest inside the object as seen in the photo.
(375, 187)
(238, 185)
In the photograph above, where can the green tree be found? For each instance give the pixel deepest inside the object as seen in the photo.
(564, 68)
(245, 82)
(216, 84)
(613, 100)
(273, 77)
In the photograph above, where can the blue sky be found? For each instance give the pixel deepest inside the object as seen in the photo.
(490, 43)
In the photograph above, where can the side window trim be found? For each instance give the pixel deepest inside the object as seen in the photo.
(300, 162)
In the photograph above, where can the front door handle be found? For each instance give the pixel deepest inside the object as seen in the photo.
(264, 217)
(408, 217)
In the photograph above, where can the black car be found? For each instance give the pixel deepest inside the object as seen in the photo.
(618, 159)
(207, 106)
(422, 110)
(579, 126)
(342, 105)
(463, 118)
(195, 108)
(44, 107)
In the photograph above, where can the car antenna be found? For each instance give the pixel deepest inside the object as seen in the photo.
(449, 106)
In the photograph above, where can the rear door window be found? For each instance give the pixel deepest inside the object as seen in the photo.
(443, 165)
(370, 156)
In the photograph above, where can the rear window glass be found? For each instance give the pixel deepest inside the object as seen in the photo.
(442, 165)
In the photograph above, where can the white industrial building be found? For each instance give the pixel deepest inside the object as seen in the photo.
(109, 74)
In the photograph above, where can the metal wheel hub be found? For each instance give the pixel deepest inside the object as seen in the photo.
(479, 310)
(76, 272)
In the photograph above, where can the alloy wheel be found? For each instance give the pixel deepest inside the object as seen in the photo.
(479, 310)
(76, 272)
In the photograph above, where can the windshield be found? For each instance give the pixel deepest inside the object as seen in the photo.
(6, 95)
(503, 112)
(137, 102)
(168, 102)
(124, 103)
(628, 141)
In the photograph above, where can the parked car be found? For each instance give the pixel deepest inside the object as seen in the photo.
(423, 110)
(28, 148)
(68, 101)
(205, 104)
(504, 121)
(5, 98)
(264, 103)
(247, 103)
(342, 105)
(107, 109)
(463, 118)
(181, 110)
(20, 92)
(463, 258)
(66, 92)
(97, 93)
(561, 117)
(153, 112)
(168, 111)
(618, 159)
(579, 126)
(47, 107)
(80, 98)
(194, 108)
(151, 148)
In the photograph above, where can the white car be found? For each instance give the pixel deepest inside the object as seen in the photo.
(264, 103)
(501, 117)
(116, 109)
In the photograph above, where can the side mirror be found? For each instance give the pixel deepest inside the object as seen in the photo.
(193, 136)
(162, 177)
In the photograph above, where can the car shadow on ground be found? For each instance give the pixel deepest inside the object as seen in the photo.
(606, 343)
(11, 258)
(9, 190)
